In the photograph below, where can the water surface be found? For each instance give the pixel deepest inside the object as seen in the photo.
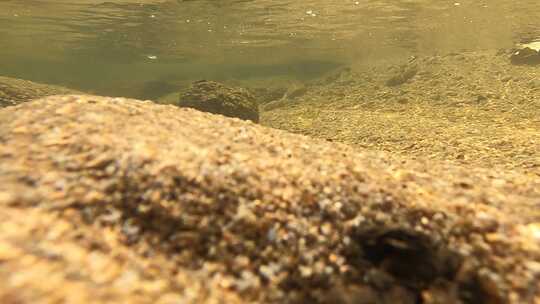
(110, 47)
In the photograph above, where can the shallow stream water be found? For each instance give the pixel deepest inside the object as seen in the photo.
(418, 180)
(110, 47)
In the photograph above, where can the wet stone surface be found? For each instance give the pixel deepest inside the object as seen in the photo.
(526, 54)
(14, 91)
(111, 199)
(214, 97)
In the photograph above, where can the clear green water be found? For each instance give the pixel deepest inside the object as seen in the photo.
(119, 47)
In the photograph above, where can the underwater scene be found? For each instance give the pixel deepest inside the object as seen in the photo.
(270, 151)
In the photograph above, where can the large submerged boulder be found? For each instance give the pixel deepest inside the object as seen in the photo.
(214, 97)
(115, 200)
(14, 91)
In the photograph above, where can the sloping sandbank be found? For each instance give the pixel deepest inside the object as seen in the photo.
(109, 200)
(472, 108)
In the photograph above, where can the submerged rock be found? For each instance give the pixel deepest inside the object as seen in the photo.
(14, 91)
(214, 97)
(528, 54)
(117, 200)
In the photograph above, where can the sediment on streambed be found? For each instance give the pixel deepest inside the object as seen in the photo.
(111, 199)
(469, 107)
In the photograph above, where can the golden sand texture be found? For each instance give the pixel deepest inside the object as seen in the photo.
(108, 200)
